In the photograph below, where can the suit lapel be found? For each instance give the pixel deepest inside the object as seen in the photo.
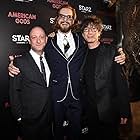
(76, 40)
(54, 41)
(35, 69)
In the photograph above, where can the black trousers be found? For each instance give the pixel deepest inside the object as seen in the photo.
(98, 129)
(69, 110)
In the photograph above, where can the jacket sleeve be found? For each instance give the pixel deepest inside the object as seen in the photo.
(122, 90)
(15, 88)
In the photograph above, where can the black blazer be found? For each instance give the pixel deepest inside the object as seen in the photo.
(111, 93)
(65, 70)
(29, 94)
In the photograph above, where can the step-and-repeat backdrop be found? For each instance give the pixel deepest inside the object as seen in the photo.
(16, 18)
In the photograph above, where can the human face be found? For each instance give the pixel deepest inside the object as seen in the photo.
(65, 20)
(38, 39)
(91, 34)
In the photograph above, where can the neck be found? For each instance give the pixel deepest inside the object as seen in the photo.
(64, 32)
(40, 52)
(93, 45)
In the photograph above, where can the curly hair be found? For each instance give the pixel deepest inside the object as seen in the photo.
(94, 20)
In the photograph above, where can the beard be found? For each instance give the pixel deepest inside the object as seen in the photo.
(64, 29)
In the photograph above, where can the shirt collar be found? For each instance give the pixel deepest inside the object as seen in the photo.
(61, 35)
(34, 54)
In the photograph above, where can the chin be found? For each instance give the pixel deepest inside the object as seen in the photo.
(90, 41)
(65, 30)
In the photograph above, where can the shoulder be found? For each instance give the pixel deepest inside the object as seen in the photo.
(78, 37)
(78, 34)
(109, 47)
(49, 39)
(21, 58)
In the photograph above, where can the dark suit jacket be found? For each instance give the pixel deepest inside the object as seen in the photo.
(110, 94)
(65, 70)
(29, 94)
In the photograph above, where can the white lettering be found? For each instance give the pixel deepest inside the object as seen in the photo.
(20, 38)
(107, 27)
(85, 9)
(52, 20)
(22, 21)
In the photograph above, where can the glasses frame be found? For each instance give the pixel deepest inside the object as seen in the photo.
(92, 28)
(68, 17)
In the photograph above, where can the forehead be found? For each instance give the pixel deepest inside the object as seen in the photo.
(36, 31)
(66, 11)
(91, 24)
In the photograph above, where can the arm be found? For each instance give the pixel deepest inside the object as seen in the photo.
(122, 90)
(11, 68)
(15, 89)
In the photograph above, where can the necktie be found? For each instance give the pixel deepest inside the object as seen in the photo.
(66, 45)
(42, 68)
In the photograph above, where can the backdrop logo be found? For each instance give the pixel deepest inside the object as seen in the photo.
(52, 20)
(107, 27)
(57, 3)
(25, 0)
(20, 39)
(22, 18)
(85, 9)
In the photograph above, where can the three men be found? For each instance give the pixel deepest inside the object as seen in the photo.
(65, 73)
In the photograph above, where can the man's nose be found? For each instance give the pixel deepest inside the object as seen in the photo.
(65, 18)
(38, 40)
(90, 31)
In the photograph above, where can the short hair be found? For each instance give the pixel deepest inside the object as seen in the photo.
(39, 26)
(94, 20)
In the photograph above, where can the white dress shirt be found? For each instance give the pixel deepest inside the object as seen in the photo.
(70, 39)
(36, 58)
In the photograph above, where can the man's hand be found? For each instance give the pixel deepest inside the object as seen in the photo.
(120, 58)
(11, 68)
(123, 121)
(52, 34)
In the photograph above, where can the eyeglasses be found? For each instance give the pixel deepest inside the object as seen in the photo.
(87, 29)
(69, 17)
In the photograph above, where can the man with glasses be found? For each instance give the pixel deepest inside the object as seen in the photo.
(65, 54)
(65, 75)
(106, 93)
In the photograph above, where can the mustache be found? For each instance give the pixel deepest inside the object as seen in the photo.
(63, 22)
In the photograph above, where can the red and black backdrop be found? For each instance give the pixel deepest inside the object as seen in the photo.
(16, 18)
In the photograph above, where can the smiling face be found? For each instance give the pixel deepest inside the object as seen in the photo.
(38, 39)
(65, 20)
(91, 28)
(91, 33)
